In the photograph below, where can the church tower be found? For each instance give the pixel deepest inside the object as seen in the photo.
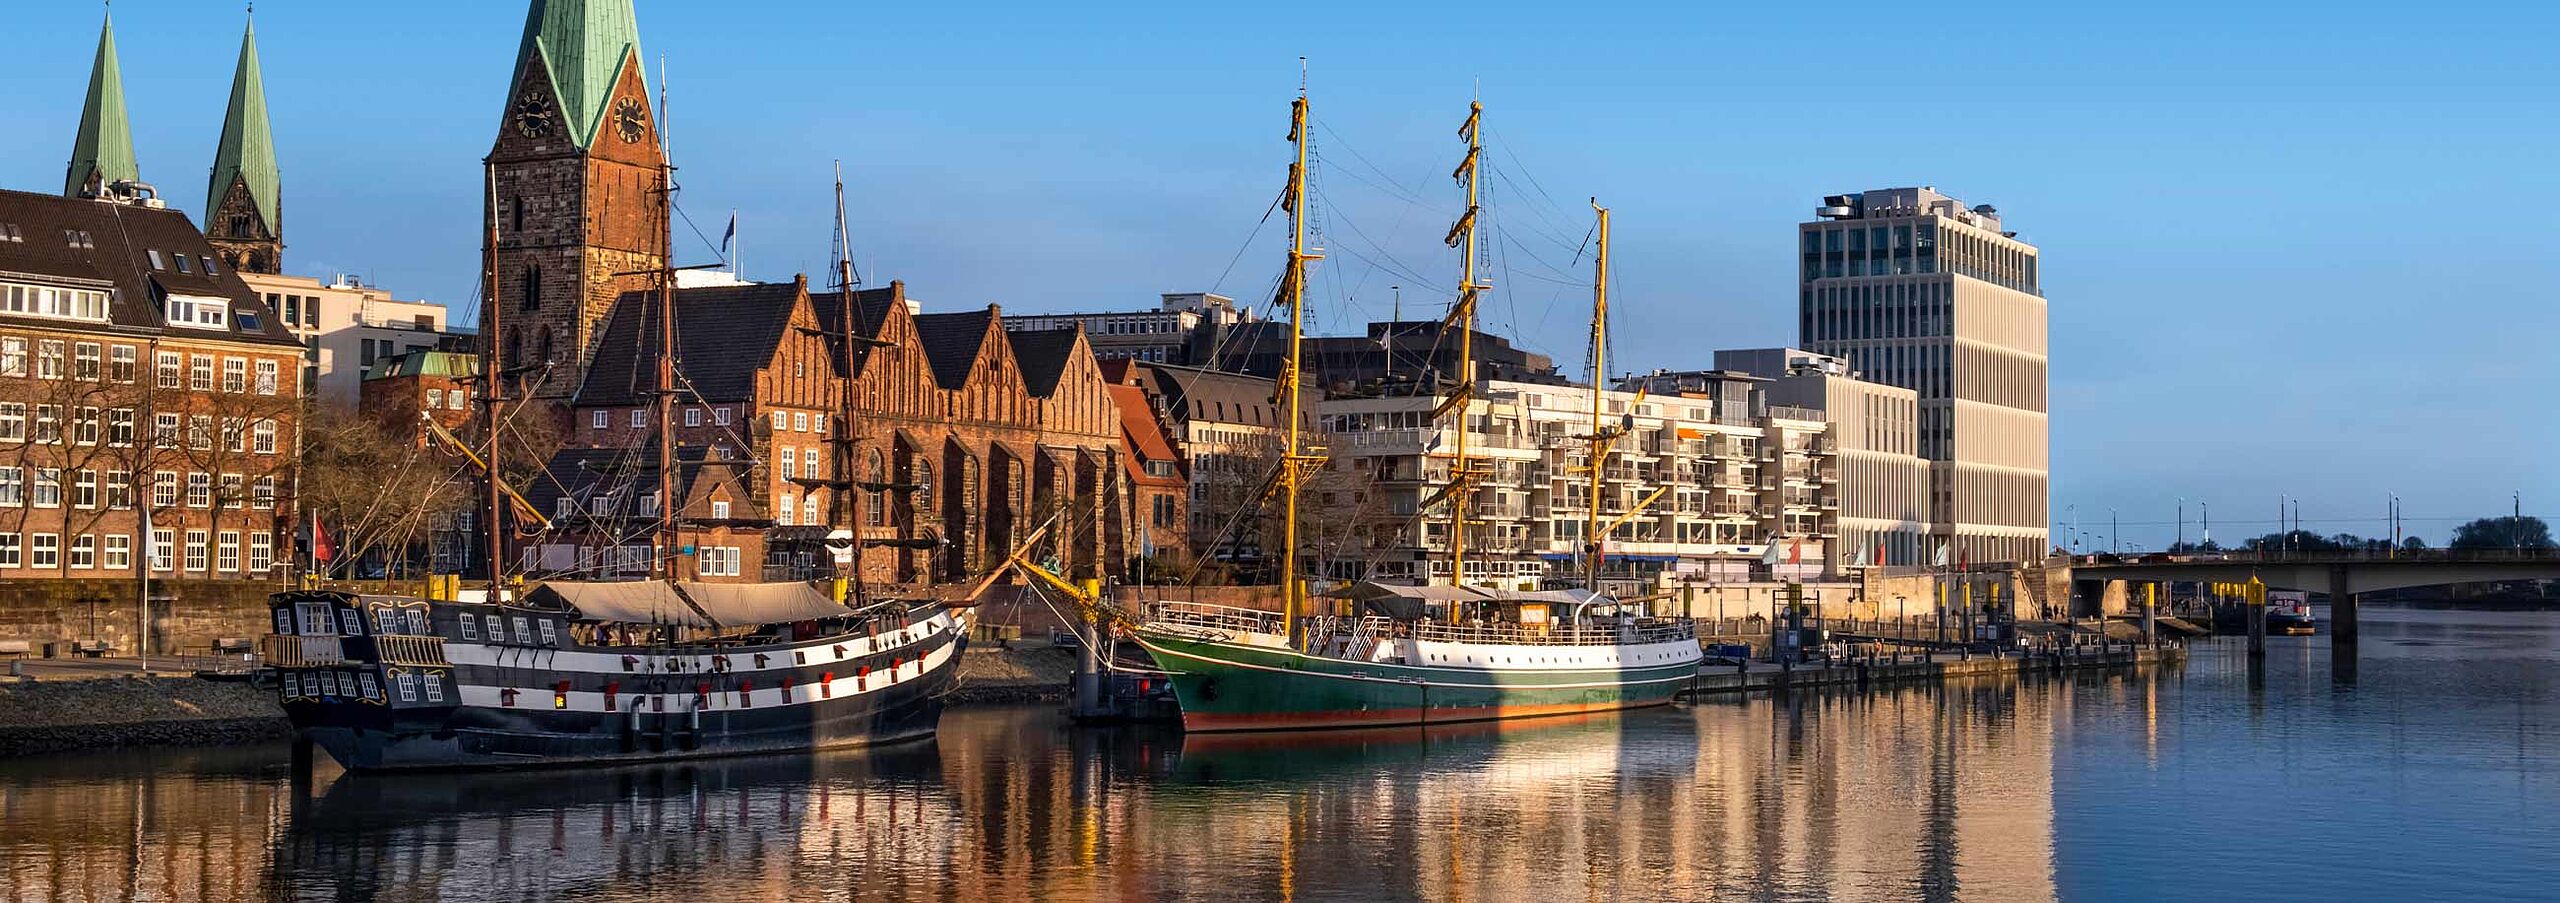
(244, 216)
(576, 171)
(102, 154)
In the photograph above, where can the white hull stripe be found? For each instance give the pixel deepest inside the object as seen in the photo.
(780, 658)
(764, 696)
(1428, 681)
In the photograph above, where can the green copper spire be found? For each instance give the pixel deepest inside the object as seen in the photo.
(248, 151)
(103, 153)
(582, 44)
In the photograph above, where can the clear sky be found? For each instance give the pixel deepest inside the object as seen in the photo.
(2289, 248)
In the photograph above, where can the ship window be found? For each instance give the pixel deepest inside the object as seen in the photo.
(351, 621)
(408, 686)
(284, 622)
(292, 684)
(550, 634)
(524, 631)
(435, 688)
(417, 620)
(383, 620)
(497, 630)
(328, 683)
(371, 690)
(470, 627)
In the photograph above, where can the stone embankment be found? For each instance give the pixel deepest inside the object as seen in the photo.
(96, 713)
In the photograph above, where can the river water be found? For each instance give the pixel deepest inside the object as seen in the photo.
(2427, 771)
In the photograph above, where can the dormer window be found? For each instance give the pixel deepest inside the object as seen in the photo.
(52, 301)
(183, 265)
(197, 312)
(157, 262)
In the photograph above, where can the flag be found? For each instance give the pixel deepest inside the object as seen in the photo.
(729, 236)
(1880, 562)
(1862, 557)
(1795, 552)
(1964, 559)
(1942, 556)
(1771, 557)
(321, 550)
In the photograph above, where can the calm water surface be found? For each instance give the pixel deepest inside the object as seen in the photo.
(2427, 771)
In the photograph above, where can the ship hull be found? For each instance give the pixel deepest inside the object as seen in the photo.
(1231, 686)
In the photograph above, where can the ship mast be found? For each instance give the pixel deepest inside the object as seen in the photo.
(1294, 291)
(493, 392)
(843, 436)
(1463, 237)
(664, 419)
(1602, 438)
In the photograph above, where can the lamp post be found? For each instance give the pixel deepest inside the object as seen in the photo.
(2114, 545)
(2182, 526)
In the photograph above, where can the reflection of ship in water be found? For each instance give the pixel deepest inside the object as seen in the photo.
(700, 828)
(1568, 746)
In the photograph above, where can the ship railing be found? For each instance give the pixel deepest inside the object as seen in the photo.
(1512, 634)
(423, 651)
(1219, 617)
(292, 651)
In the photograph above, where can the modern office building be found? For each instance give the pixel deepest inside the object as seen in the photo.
(346, 328)
(1884, 483)
(1915, 289)
(1182, 329)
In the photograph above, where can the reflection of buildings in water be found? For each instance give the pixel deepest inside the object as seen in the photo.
(167, 826)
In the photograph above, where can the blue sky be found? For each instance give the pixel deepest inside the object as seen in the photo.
(2289, 248)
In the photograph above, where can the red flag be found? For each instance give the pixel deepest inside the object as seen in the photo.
(1880, 553)
(1964, 558)
(1795, 551)
(321, 551)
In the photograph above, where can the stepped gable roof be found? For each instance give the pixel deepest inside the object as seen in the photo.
(724, 334)
(872, 308)
(1043, 355)
(952, 341)
(121, 239)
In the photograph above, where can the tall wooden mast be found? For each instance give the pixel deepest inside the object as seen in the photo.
(1294, 291)
(493, 389)
(668, 504)
(1463, 237)
(1602, 438)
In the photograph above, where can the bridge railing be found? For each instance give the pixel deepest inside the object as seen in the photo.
(2349, 556)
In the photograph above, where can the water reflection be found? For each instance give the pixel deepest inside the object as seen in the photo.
(1987, 790)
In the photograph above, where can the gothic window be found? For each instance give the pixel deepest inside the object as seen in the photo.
(877, 506)
(542, 346)
(517, 206)
(515, 349)
(924, 487)
(530, 298)
(240, 226)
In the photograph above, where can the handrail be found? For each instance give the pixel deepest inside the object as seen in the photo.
(293, 651)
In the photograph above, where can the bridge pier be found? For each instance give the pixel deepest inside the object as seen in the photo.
(2342, 610)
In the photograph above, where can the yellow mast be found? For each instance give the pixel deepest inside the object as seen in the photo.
(1601, 438)
(1294, 288)
(1463, 237)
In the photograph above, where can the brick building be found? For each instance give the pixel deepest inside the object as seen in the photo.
(1159, 498)
(439, 384)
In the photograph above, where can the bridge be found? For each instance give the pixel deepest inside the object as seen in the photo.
(2343, 576)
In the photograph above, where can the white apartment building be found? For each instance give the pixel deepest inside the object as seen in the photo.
(1732, 487)
(347, 327)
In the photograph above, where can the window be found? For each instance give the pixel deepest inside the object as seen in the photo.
(48, 301)
(85, 430)
(49, 359)
(453, 400)
(164, 489)
(199, 490)
(263, 437)
(44, 550)
(184, 266)
(119, 489)
(200, 372)
(693, 416)
(564, 507)
(168, 369)
(435, 399)
(550, 632)
(800, 421)
(408, 686)
(785, 509)
(200, 432)
(720, 561)
(809, 509)
(262, 552)
(639, 417)
(49, 424)
(809, 465)
(470, 627)
(524, 629)
(119, 552)
(267, 377)
(84, 489)
(84, 551)
(48, 487)
(13, 421)
(120, 427)
(13, 356)
(350, 623)
(781, 421)
(233, 491)
(720, 416)
(720, 510)
(497, 629)
(790, 463)
(235, 374)
(13, 486)
(86, 363)
(164, 430)
(9, 550)
(262, 494)
(435, 688)
(198, 313)
(195, 551)
(230, 553)
(1164, 510)
(602, 419)
(163, 545)
(235, 434)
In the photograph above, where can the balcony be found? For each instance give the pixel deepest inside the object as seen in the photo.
(284, 651)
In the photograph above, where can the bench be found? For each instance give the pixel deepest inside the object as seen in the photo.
(91, 648)
(19, 648)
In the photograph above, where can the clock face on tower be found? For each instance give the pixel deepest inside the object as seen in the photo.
(533, 115)
(631, 120)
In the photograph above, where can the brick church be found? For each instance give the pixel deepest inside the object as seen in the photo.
(939, 440)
